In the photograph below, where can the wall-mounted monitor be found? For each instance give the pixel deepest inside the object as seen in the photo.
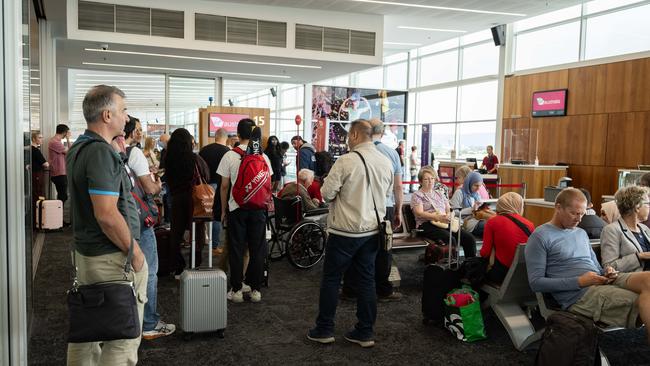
(228, 121)
(549, 103)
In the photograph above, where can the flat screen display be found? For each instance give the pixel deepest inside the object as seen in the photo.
(549, 103)
(228, 121)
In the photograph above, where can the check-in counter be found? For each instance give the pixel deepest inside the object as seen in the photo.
(536, 177)
(538, 211)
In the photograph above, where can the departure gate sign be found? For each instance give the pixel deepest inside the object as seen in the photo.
(549, 103)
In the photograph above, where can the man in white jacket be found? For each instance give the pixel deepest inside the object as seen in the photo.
(353, 238)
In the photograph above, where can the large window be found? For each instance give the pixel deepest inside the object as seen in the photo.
(438, 105)
(595, 29)
(474, 137)
(439, 68)
(617, 33)
(186, 96)
(478, 101)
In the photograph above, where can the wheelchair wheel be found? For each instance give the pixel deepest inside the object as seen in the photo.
(306, 244)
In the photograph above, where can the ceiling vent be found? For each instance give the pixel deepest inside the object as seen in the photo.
(210, 27)
(96, 16)
(218, 28)
(309, 37)
(272, 34)
(167, 23)
(130, 19)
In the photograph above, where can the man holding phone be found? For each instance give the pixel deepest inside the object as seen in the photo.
(560, 261)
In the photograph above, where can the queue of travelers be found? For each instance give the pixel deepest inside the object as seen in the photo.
(108, 175)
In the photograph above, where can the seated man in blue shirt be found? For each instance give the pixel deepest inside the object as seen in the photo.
(560, 261)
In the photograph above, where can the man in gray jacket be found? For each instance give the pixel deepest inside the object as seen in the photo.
(353, 233)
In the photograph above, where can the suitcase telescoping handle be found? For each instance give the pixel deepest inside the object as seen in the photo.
(193, 240)
(451, 242)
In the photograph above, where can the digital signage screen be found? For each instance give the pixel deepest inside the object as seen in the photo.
(549, 103)
(227, 121)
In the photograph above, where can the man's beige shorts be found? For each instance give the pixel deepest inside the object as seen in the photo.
(613, 304)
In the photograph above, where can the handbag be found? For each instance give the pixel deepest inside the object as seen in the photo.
(385, 227)
(463, 317)
(103, 311)
(202, 196)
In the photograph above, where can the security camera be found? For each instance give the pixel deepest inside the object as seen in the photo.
(104, 47)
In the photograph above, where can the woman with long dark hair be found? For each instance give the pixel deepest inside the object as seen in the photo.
(274, 154)
(181, 166)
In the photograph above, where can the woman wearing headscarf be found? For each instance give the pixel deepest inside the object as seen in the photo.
(468, 201)
(503, 233)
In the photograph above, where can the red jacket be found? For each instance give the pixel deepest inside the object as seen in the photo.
(504, 235)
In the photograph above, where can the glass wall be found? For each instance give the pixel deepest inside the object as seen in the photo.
(186, 96)
(595, 29)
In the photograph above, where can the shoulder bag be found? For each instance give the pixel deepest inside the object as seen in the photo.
(384, 226)
(202, 196)
(103, 311)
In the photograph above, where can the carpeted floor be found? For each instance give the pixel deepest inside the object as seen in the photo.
(273, 332)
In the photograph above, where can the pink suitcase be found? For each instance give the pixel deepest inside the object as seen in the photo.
(49, 214)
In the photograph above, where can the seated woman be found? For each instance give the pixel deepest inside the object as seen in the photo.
(431, 205)
(625, 243)
(468, 201)
(461, 174)
(503, 233)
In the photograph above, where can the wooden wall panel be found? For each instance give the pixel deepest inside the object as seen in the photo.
(264, 113)
(598, 181)
(519, 91)
(587, 90)
(538, 215)
(628, 86)
(628, 139)
(573, 140)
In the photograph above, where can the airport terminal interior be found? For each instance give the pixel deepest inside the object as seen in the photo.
(478, 106)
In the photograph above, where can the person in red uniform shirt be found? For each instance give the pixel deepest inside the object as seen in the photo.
(502, 234)
(490, 161)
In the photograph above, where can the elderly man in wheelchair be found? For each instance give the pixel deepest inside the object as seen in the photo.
(298, 224)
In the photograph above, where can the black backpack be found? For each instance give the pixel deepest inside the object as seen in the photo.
(324, 162)
(570, 340)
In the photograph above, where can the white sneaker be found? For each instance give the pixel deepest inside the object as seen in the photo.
(235, 296)
(245, 288)
(256, 296)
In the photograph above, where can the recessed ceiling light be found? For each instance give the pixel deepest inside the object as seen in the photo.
(188, 70)
(403, 44)
(432, 29)
(201, 58)
(440, 7)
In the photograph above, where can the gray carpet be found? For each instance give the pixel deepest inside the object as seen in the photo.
(273, 332)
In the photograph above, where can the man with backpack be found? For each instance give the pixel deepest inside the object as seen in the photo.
(306, 158)
(144, 187)
(248, 172)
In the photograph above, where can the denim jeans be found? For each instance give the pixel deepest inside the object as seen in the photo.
(216, 225)
(342, 252)
(150, 251)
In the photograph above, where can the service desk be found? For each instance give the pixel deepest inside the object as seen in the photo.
(536, 177)
(538, 211)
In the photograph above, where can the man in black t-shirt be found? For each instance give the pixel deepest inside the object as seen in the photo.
(212, 155)
(39, 164)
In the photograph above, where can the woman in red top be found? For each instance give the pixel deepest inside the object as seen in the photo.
(502, 235)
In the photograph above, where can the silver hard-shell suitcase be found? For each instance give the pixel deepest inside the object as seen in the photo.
(203, 295)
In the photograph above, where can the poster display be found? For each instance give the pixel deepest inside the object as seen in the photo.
(333, 108)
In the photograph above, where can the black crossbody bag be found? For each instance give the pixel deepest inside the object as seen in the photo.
(103, 311)
(384, 226)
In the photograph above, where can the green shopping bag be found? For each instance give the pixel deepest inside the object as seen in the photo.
(463, 317)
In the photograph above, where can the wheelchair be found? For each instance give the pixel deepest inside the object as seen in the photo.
(296, 235)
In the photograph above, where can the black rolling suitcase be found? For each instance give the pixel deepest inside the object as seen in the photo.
(166, 255)
(439, 279)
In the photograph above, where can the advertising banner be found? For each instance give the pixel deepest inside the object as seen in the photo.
(549, 103)
(425, 146)
(227, 121)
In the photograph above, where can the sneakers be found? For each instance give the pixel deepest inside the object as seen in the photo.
(245, 288)
(235, 297)
(393, 296)
(217, 251)
(256, 296)
(316, 336)
(162, 329)
(354, 337)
